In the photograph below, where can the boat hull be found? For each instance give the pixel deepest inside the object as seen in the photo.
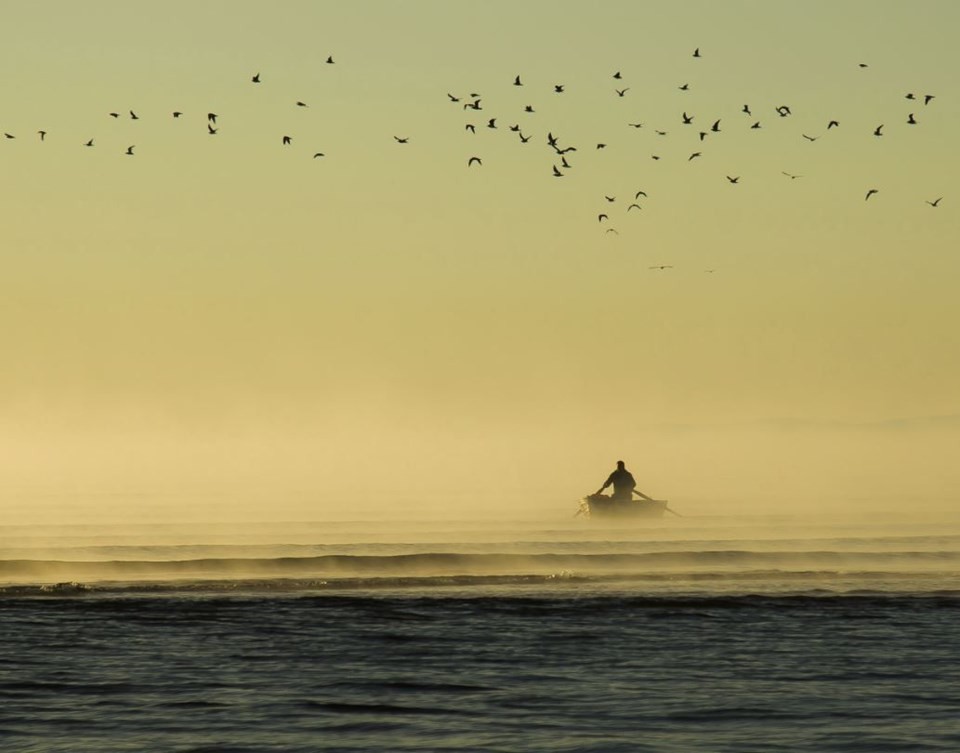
(602, 506)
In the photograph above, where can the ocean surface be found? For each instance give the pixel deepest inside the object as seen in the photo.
(682, 634)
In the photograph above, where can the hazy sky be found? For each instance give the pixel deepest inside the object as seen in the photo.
(221, 312)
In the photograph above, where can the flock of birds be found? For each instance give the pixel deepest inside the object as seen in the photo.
(527, 128)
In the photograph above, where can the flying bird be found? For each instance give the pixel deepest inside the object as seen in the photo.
(634, 206)
(130, 150)
(452, 98)
(734, 180)
(927, 98)
(756, 125)
(935, 202)
(809, 138)
(558, 88)
(911, 120)
(134, 116)
(330, 60)
(256, 78)
(556, 172)
(566, 165)
(910, 95)
(833, 124)
(475, 105)
(177, 113)
(783, 111)
(319, 154)
(870, 193)
(400, 140)
(687, 119)
(611, 199)
(703, 135)
(601, 146)
(876, 132)
(621, 92)
(639, 194)
(524, 139)
(661, 266)
(692, 156)
(617, 75)
(529, 108)
(684, 87)
(612, 230)
(211, 130)
(635, 125)
(286, 140)
(696, 52)
(9, 135)
(715, 127)
(791, 175)
(602, 217)
(517, 82)
(301, 104)
(473, 160)
(746, 109)
(89, 143)
(470, 127)
(114, 114)
(212, 117)
(43, 134)
(492, 123)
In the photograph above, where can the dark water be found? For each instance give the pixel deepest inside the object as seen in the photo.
(807, 639)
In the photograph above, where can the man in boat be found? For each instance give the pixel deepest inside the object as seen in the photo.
(623, 484)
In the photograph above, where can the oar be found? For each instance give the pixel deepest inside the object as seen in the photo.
(651, 499)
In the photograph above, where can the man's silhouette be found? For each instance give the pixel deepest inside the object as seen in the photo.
(623, 483)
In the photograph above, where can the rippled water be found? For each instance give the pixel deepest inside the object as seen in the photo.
(719, 635)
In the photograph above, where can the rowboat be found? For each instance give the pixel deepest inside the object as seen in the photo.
(602, 506)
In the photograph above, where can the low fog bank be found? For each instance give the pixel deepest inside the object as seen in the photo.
(469, 470)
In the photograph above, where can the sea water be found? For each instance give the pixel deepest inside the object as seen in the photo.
(706, 634)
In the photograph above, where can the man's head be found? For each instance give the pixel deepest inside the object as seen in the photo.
(621, 465)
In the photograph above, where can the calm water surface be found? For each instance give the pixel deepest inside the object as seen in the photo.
(711, 635)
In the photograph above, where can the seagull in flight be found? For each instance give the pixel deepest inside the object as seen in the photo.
(621, 92)
(89, 143)
(935, 202)
(319, 154)
(558, 88)
(639, 194)
(833, 124)
(877, 130)
(556, 172)
(696, 52)
(791, 175)
(661, 266)
(130, 150)
(42, 134)
(400, 140)
(734, 180)
(634, 206)
(330, 60)
(473, 160)
(517, 82)
(687, 119)
(256, 78)
(927, 98)
(211, 130)
(602, 217)
(695, 154)
(911, 120)
(177, 113)
(870, 193)
(286, 140)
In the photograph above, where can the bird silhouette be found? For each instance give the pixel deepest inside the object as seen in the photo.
(876, 131)
(134, 116)
(783, 111)
(211, 130)
(89, 143)
(558, 88)
(756, 125)
(556, 172)
(703, 135)
(474, 160)
(452, 98)
(694, 155)
(319, 154)
(602, 217)
(130, 150)
(611, 199)
(9, 135)
(114, 114)
(212, 117)
(928, 98)
(661, 266)
(402, 140)
(635, 125)
(612, 230)
(524, 139)
(515, 128)
(301, 104)
(622, 92)
(687, 119)
(684, 87)
(617, 75)
(287, 140)
(177, 113)
(809, 138)
(517, 81)
(833, 124)
(935, 202)
(715, 127)
(696, 52)
(791, 175)
(639, 194)
(911, 120)
(746, 109)
(43, 135)
(330, 60)
(870, 193)
(634, 206)
(910, 95)
(734, 180)
(601, 146)
(492, 123)
(470, 127)
(529, 108)
(475, 105)
(256, 78)
(566, 165)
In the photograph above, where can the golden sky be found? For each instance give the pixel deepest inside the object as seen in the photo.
(223, 312)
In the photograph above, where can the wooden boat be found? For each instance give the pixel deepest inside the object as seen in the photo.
(602, 506)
